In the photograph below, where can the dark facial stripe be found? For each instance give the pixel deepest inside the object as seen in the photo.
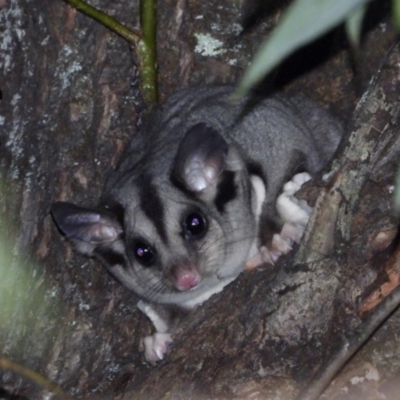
(151, 205)
(114, 207)
(110, 257)
(226, 190)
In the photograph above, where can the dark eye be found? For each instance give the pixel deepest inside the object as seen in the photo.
(194, 225)
(144, 253)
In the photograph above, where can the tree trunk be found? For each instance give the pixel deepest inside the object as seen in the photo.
(69, 104)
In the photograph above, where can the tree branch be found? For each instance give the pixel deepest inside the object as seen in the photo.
(144, 44)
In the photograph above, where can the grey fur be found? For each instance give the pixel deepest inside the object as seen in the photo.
(165, 177)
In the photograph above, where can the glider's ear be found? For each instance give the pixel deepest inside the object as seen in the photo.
(87, 225)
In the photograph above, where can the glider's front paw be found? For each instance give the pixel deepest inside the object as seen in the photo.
(156, 346)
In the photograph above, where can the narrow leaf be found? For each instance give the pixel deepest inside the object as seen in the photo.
(396, 13)
(304, 21)
(354, 25)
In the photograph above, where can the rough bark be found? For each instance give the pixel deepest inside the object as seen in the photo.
(280, 323)
(67, 108)
(69, 105)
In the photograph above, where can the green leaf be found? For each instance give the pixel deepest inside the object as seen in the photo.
(304, 21)
(396, 13)
(354, 25)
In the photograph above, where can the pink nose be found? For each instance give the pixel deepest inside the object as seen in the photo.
(187, 280)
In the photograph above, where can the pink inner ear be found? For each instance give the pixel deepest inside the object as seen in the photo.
(194, 176)
(103, 232)
(202, 174)
(200, 158)
(212, 170)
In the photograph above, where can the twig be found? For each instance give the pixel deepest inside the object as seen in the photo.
(34, 377)
(147, 51)
(144, 44)
(106, 20)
